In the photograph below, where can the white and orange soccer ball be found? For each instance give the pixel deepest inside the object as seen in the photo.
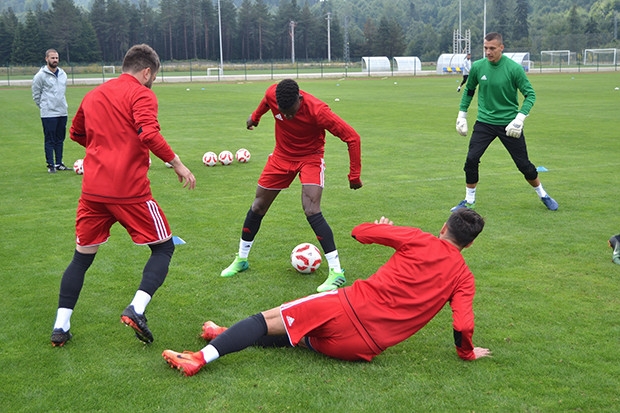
(225, 157)
(306, 258)
(209, 158)
(78, 166)
(242, 155)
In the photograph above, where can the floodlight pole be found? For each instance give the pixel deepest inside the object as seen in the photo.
(460, 31)
(484, 27)
(329, 47)
(219, 18)
(292, 25)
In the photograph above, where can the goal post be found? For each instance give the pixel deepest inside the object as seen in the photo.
(606, 57)
(555, 58)
(108, 70)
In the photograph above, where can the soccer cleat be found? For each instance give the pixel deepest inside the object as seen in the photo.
(60, 337)
(210, 330)
(614, 242)
(187, 362)
(333, 281)
(138, 323)
(238, 265)
(51, 169)
(464, 204)
(62, 167)
(549, 203)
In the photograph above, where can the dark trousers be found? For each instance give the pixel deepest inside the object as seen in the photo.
(54, 130)
(482, 137)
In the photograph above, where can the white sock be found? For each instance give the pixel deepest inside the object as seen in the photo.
(333, 261)
(244, 248)
(470, 195)
(540, 191)
(63, 319)
(210, 353)
(140, 301)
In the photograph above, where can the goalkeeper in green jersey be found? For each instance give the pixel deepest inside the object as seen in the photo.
(499, 79)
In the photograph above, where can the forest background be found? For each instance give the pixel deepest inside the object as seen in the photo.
(100, 31)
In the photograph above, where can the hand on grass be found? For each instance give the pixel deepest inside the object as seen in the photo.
(384, 220)
(480, 352)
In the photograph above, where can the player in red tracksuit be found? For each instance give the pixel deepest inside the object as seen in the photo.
(117, 124)
(300, 123)
(361, 321)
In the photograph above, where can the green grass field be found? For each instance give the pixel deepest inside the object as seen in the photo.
(547, 300)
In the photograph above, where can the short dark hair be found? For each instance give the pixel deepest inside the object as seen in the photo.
(494, 36)
(140, 57)
(287, 93)
(464, 225)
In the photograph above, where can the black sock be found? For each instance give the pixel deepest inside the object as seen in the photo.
(73, 279)
(156, 267)
(241, 335)
(323, 232)
(273, 341)
(251, 225)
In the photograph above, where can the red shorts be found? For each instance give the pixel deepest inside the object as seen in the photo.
(321, 318)
(278, 173)
(145, 222)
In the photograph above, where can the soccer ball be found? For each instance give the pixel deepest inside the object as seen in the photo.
(306, 258)
(242, 155)
(78, 166)
(225, 157)
(209, 158)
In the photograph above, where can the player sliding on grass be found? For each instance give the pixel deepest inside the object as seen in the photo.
(361, 321)
(300, 124)
(498, 79)
(117, 124)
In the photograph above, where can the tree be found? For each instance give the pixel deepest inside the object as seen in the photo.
(264, 29)
(208, 23)
(307, 29)
(390, 39)
(66, 19)
(287, 12)
(229, 28)
(30, 49)
(521, 28)
(246, 28)
(8, 29)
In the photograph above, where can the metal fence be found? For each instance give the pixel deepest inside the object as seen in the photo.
(210, 71)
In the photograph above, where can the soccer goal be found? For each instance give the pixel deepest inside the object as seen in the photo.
(557, 58)
(606, 57)
(109, 70)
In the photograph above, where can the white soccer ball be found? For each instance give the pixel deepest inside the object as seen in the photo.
(78, 166)
(209, 158)
(225, 157)
(242, 155)
(306, 258)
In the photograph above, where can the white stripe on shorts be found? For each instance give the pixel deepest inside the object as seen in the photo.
(157, 220)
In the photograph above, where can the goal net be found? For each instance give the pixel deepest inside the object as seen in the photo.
(109, 69)
(599, 57)
(557, 58)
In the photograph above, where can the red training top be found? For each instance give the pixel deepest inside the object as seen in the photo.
(117, 124)
(407, 291)
(304, 134)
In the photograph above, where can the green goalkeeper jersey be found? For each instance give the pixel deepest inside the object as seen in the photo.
(498, 87)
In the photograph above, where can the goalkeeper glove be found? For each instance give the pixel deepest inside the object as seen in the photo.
(461, 123)
(515, 127)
